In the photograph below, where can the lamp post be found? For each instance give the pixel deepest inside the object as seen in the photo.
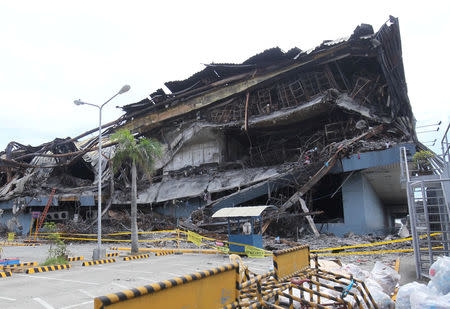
(98, 253)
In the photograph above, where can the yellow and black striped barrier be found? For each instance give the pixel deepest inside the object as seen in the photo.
(18, 265)
(165, 252)
(136, 257)
(47, 268)
(112, 254)
(19, 244)
(4, 274)
(76, 258)
(288, 262)
(213, 288)
(106, 261)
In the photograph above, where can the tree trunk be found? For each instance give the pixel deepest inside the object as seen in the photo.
(134, 229)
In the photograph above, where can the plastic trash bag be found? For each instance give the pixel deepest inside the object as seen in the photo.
(356, 271)
(426, 298)
(386, 277)
(404, 293)
(440, 275)
(381, 299)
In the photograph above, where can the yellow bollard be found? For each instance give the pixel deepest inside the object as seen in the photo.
(11, 237)
(31, 229)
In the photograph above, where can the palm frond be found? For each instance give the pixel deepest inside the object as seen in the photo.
(141, 151)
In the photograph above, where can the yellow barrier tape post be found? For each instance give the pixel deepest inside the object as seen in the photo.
(195, 238)
(11, 236)
(253, 252)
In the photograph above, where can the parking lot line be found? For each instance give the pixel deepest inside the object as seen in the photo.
(7, 298)
(147, 279)
(86, 293)
(120, 285)
(43, 303)
(172, 274)
(50, 278)
(78, 305)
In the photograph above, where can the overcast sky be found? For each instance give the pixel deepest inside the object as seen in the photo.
(52, 52)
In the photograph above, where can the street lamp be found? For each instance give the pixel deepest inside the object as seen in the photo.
(98, 253)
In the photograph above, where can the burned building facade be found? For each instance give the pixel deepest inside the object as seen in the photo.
(315, 133)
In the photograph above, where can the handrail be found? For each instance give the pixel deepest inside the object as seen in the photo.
(445, 144)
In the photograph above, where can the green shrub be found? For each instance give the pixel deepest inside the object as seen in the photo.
(57, 253)
(420, 160)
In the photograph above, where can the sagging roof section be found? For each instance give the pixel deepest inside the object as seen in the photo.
(268, 128)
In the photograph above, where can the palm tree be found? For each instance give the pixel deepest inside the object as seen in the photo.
(140, 152)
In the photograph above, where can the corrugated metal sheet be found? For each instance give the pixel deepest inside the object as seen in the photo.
(172, 188)
(247, 211)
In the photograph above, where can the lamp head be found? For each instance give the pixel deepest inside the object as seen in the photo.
(124, 89)
(78, 102)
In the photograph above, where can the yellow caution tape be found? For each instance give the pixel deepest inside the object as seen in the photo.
(372, 244)
(195, 238)
(376, 252)
(254, 252)
(110, 234)
(267, 252)
(113, 240)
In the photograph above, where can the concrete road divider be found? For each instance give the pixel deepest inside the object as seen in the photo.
(201, 251)
(90, 263)
(18, 265)
(19, 244)
(213, 288)
(136, 257)
(76, 258)
(165, 252)
(4, 274)
(47, 268)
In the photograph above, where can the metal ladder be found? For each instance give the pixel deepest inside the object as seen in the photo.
(44, 213)
(428, 206)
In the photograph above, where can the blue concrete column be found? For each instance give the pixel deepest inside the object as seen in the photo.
(363, 210)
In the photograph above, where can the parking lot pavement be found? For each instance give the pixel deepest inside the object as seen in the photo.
(78, 286)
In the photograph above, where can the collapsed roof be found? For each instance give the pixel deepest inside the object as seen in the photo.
(272, 122)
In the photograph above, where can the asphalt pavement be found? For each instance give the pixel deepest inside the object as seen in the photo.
(78, 286)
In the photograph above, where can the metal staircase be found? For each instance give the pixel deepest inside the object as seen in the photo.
(428, 192)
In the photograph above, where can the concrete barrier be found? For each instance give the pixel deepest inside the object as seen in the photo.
(98, 262)
(47, 268)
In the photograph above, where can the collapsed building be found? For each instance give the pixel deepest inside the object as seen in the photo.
(314, 133)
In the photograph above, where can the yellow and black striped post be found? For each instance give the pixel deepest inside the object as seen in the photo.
(97, 262)
(112, 254)
(47, 268)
